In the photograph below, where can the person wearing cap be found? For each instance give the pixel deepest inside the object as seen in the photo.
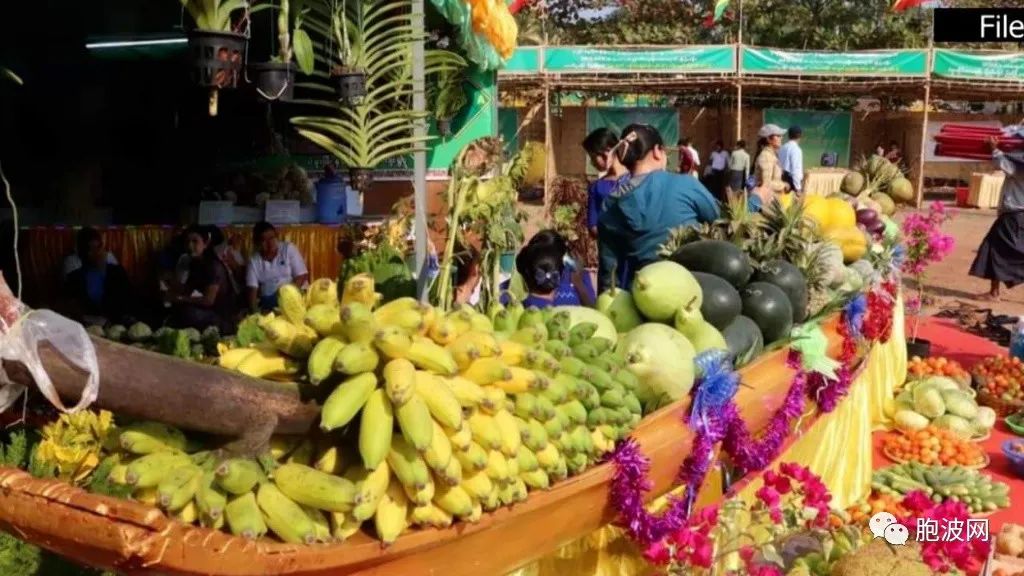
(767, 170)
(791, 158)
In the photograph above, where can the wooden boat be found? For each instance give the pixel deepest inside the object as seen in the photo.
(132, 538)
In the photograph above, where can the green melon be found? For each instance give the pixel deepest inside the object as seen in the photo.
(768, 306)
(791, 280)
(901, 190)
(722, 302)
(744, 340)
(884, 202)
(853, 183)
(723, 259)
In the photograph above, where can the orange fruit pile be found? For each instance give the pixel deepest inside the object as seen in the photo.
(934, 446)
(936, 366)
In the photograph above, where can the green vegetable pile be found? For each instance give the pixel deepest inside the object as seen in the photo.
(391, 275)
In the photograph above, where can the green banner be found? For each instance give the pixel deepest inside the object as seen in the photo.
(525, 60)
(867, 63)
(585, 59)
(476, 120)
(980, 65)
(690, 59)
(665, 120)
(824, 133)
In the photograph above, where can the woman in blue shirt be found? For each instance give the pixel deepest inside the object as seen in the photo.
(542, 263)
(644, 208)
(599, 146)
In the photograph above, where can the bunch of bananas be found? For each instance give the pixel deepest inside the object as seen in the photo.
(440, 417)
(979, 492)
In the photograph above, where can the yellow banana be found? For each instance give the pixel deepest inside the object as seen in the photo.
(357, 322)
(244, 517)
(440, 399)
(386, 312)
(492, 501)
(399, 380)
(485, 430)
(210, 501)
(494, 399)
(423, 495)
(415, 422)
(427, 355)
(239, 475)
(390, 519)
(284, 516)
(454, 500)
(343, 526)
(370, 487)
(550, 458)
(522, 381)
(321, 526)
(443, 331)
(535, 479)
(526, 460)
(325, 320)
(147, 496)
(328, 459)
(468, 393)
(375, 429)
(346, 401)
(264, 363)
(512, 353)
(460, 439)
(282, 446)
(474, 459)
(356, 358)
(602, 444)
(149, 470)
(439, 452)
(322, 291)
(392, 341)
(536, 436)
(476, 514)
(177, 488)
(513, 466)
(497, 467)
(479, 322)
(508, 428)
(291, 303)
(407, 465)
(410, 321)
(149, 437)
(452, 473)
(321, 360)
(230, 359)
(478, 485)
(119, 474)
(188, 513)
(472, 345)
(316, 489)
(430, 516)
(303, 453)
(487, 371)
(294, 340)
(360, 288)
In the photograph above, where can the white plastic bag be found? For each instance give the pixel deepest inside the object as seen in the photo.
(23, 330)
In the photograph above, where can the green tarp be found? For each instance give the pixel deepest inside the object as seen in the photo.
(824, 132)
(476, 120)
(588, 59)
(665, 120)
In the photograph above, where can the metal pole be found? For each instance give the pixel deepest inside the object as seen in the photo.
(919, 197)
(739, 79)
(419, 183)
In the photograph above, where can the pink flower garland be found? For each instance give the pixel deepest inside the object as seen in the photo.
(630, 482)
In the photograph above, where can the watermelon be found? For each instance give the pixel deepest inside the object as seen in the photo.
(721, 303)
(718, 257)
(788, 277)
(744, 340)
(769, 307)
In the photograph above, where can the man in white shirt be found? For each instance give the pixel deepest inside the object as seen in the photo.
(74, 261)
(273, 264)
(791, 160)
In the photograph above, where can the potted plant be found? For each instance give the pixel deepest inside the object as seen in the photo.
(925, 245)
(380, 127)
(217, 49)
(350, 73)
(448, 97)
(275, 80)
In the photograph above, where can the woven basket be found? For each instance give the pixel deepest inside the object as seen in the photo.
(1002, 407)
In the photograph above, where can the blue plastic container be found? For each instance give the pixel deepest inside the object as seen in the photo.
(330, 200)
(1016, 458)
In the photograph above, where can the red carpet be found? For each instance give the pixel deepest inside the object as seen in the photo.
(948, 340)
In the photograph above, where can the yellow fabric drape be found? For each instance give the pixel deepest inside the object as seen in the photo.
(837, 448)
(137, 248)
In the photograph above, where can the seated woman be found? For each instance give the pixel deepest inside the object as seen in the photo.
(551, 278)
(273, 264)
(207, 297)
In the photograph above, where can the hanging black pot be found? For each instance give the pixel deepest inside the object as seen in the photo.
(216, 58)
(920, 347)
(444, 127)
(360, 179)
(275, 81)
(351, 85)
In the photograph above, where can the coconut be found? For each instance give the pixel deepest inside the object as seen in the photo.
(662, 359)
(662, 288)
(885, 202)
(901, 190)
(618, 305)
(853, 183)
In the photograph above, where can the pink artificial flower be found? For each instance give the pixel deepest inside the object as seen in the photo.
(747, 554)
(769, 496)
(703, 555)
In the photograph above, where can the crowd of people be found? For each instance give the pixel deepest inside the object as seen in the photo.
(204, 279)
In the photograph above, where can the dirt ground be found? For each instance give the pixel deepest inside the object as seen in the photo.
(949, 280)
